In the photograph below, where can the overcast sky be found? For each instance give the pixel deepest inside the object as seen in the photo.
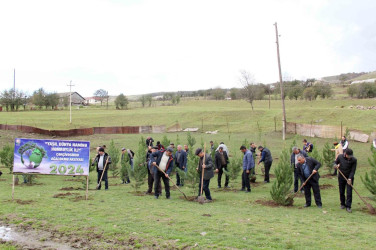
(141, 46)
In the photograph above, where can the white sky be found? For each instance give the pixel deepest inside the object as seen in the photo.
(137, 47)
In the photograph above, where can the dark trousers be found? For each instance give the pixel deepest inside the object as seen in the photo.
(314, 184)
(150, 183)
(105, 179)
(267, 166)
(179, 181)
(343, 186)
(296, 180)
(205, 189)
(220, 173)
(245, 180)
(157, 182)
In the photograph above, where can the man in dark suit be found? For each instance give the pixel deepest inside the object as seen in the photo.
(306, 167)
(294, 164)
(208, 172)
(181, 163)
(221, 161)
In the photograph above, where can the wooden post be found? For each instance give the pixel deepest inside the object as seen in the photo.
(340, 136)
(87, 187)
(13, 189)
(275, 124)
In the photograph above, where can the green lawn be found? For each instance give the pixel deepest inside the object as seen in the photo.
(118, 219)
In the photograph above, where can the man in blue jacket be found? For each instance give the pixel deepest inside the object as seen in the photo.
(248, 165)
(266, 157)
(181, 163)
(164, 160)
(294, 163)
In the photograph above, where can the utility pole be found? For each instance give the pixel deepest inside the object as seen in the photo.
(70, 101)
(281, 84)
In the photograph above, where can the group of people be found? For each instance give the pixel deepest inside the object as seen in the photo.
(306, 170)
(160, 162)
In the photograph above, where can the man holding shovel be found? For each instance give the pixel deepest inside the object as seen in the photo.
(162, 160)
(346, 163)
(207, 167)
(307, 170)
(102, 161)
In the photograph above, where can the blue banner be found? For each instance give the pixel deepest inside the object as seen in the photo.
(54, 157)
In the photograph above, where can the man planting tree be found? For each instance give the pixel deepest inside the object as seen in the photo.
(163, 161)
(346, 163)
(151, 168)
(266, 157)
(308, 170)
(207, 168)
(102, 161)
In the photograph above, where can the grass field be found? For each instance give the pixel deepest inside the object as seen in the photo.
(119, 219)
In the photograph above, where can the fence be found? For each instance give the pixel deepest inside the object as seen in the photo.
(86, 131)
(324, 131)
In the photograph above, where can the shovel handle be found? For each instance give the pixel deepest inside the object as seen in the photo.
(104, 168)
(339, 171)
(202, 171)
(304, 183)
(171, 181)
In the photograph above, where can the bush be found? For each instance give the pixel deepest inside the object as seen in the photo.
(316, 154)
(140, 170)
(284, 178)
(235, 167)
(124, 174)
(328, 157)
(192, 177)
(7, 156)
(369, 180)
(114, 154)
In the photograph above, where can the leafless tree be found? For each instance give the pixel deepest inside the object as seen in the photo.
(249, 88)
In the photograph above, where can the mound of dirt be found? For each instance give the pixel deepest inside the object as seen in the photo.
(326, 186)
(63, 195)
(70, 188)
(268, 203)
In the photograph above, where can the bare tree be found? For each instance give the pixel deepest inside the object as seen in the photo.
(102, 95)
(249, 88)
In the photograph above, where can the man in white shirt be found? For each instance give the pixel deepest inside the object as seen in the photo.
(164, 160)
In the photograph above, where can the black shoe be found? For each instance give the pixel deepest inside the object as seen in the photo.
(226, 186)
(248, 191)
(349, 210)
(266, 181)
(342, 207)
(219, 187)
(168, 198)
(156, 197)
(319, 206)
(306, 205)
(243, 189)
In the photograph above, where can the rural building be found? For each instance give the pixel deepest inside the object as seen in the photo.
(77, 99)
(93, 100)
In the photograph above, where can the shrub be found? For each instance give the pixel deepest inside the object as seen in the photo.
(234, 167)
(328, 157)
(114, 154)
(140, 170)
(369, 180)
(284, 178)
(7, 156)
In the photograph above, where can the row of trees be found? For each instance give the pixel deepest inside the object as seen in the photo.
(12, 99)
(362, 90)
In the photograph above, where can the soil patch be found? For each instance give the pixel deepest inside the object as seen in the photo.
(189, 198)
(21, 202)
(256, 184)
(328, 176)
(63, 195)
(207, 215)
(70, 188)
(80, 198)
(226, 190)
(268, 203)
(76, 179)
(138, 193)
(3, 179)
(326, 186)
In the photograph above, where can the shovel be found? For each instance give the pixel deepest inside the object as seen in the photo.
(104, 169)
(290, 198)
(172, 182)
(201, 198)
(371, 209)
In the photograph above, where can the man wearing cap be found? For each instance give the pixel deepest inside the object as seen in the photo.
(181, 163)
(346, 163)
(208, 172)
(100, 161)
(266, 157)
(162, 160)
(221, 161)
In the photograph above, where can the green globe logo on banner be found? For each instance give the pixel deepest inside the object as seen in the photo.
(32, 154)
